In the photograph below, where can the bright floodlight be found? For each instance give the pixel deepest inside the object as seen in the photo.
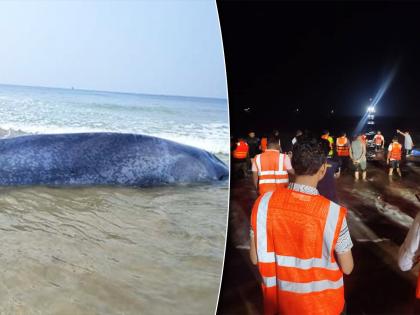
(371, 109)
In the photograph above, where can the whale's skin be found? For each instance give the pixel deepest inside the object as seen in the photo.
(104, 159)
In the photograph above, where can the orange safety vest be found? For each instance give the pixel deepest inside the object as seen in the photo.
(378, 139)
(343, 148)
(263, 144)
(396, 151)
(241, 151)
(272, 172)
(295, 235)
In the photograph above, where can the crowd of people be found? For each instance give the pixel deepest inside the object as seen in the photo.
(299, 237)
(343, 154)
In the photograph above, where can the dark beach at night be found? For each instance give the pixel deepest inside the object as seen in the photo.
(380, 213)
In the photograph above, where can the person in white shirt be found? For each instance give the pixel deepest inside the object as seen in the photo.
(409, 253)
(408, 141)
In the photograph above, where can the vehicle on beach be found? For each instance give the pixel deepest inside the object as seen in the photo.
(370, 146)
(415, 155)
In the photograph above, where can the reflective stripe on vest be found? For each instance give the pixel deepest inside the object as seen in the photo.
(305, 287)
(241, 151)
(271, 179)
(272, 172)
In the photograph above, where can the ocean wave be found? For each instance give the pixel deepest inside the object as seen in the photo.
(200, 123)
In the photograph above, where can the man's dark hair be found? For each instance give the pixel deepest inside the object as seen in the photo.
(395, 138)
(272, 141)
(308, 157)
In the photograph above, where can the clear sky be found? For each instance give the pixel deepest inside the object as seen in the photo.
(153, 47)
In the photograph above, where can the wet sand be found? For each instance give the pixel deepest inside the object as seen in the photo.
(380, 213)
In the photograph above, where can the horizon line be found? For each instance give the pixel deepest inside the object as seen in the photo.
(72, 88)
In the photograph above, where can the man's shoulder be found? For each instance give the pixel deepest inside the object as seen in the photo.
(332, 205)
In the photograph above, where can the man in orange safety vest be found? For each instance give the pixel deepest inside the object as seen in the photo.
(300, 241)
(394, 156)
(263, 143)
(271, 168)
(343, 152)
(240, 157)
(379, 141)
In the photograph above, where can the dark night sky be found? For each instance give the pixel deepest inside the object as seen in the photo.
(319, 56)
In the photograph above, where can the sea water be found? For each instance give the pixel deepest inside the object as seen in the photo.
(112, 250)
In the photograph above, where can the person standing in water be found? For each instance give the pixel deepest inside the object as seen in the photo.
(408, 141)
(379, 141)
(394, 156)
(358, 156)
(343, 152)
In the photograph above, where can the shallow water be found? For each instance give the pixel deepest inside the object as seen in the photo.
(109, 250)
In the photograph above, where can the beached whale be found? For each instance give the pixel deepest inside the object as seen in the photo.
(104, 159)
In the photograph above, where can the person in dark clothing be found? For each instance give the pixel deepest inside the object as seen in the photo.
(253, 144)
(299, 133)
(326, 186)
